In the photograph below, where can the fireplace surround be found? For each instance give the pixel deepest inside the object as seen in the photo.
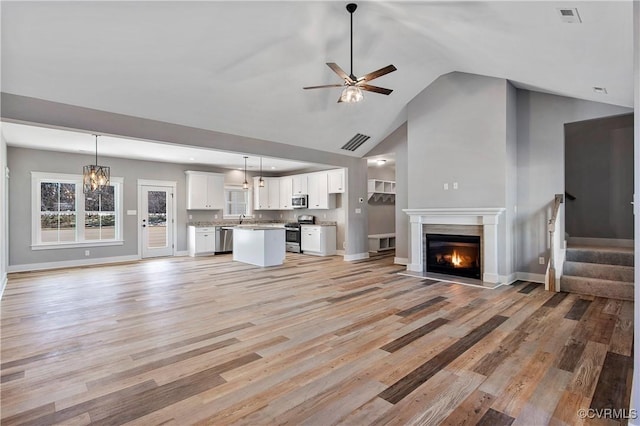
(477, 221)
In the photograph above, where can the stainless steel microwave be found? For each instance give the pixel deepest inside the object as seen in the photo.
(299, 201)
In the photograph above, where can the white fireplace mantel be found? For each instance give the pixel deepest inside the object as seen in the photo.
(487, 217)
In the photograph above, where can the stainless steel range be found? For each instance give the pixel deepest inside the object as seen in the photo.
(292, 232)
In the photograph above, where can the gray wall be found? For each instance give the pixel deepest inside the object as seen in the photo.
(41, 112)
(540, 126)
(462, 129)
(22, 161)
(599, 173)
(396, 143)
(382, 214)
(457, 133)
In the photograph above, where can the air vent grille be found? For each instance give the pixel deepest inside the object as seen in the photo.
(355, 142)
(569, 15)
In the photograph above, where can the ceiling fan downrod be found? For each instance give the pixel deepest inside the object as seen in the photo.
(351, 7)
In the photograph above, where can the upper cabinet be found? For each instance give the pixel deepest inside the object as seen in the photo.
(336, 181)
(266, 197)
(300, 184)
(286, 193)
(205, 191)
(318, 191)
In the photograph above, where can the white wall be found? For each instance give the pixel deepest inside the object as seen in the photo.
(540, 126)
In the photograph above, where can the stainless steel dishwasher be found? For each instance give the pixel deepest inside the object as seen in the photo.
(224, 239)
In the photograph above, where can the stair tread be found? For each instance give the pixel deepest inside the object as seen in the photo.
(598, 265)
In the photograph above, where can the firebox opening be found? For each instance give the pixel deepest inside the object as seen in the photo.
(453, 255)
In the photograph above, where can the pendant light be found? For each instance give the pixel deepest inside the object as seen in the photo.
(245, 184)
(261, 181)
(95, 178)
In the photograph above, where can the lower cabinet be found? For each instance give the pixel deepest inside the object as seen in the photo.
(202, 240)
(318, 240)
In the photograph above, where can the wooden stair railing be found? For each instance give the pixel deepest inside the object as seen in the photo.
(554, 246)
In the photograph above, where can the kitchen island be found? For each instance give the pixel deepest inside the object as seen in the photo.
(259, 245)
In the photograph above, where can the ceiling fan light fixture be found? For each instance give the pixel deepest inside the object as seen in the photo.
(351, 94)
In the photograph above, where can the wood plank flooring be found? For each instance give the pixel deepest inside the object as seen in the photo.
(317, 341)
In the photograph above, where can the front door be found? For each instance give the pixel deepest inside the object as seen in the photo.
(156, 220)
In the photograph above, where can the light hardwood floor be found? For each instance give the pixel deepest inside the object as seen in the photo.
(316, 341)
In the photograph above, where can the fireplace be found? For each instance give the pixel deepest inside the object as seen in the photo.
(453, 255)
(455, 220)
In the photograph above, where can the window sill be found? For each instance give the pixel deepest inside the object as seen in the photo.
(77, 245)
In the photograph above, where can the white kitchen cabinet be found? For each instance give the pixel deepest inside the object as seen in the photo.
(300, 184)
(336, 181)
(286, 193)
(318, 191)
(318, 240)
(205, 191)
(201, 240)
(266, 197)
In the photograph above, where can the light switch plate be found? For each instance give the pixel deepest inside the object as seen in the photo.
(131, 212)
(358, 210)
(445, 186)
(455, 185)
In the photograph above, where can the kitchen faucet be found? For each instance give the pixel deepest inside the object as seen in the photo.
(241, 217)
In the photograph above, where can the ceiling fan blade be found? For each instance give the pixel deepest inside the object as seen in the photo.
(322, 87)
(376, 89)
(378, 73)
(343, 75)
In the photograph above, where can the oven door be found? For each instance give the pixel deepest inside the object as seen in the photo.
(292, 235)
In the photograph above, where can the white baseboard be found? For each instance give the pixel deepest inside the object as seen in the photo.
(414, 267)
(401, 260)
(357, 256)
(509, 279)
(71, 263)
(3, 285)
(528, 276)
(340, 252)
(182, 253)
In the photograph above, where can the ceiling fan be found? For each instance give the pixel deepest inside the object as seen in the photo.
(353, 86)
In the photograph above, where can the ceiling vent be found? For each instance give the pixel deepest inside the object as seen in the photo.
(355, 142)
(569, 15)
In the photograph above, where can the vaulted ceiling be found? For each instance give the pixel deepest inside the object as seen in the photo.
(239, 67)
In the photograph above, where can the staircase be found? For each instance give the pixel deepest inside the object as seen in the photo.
(599, 271)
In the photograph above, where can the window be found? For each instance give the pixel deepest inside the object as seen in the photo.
(65, 217)
(237, 202)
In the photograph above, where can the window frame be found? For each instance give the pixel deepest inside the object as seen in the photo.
(249, 194)
(37, 178)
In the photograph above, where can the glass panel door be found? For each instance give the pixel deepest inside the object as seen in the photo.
(157, 221)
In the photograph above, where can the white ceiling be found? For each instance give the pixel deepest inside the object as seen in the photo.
(239, 67)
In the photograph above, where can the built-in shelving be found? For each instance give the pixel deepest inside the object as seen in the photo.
(381, 242)
(381, 190)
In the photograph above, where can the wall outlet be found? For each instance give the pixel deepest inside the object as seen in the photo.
(87, 252)
(445, 186)
(324, 215)
(541, 260)
(190, 216)
(344, 244)
(455, 185)
(280, 215)
(215, 216)
(260, 216)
